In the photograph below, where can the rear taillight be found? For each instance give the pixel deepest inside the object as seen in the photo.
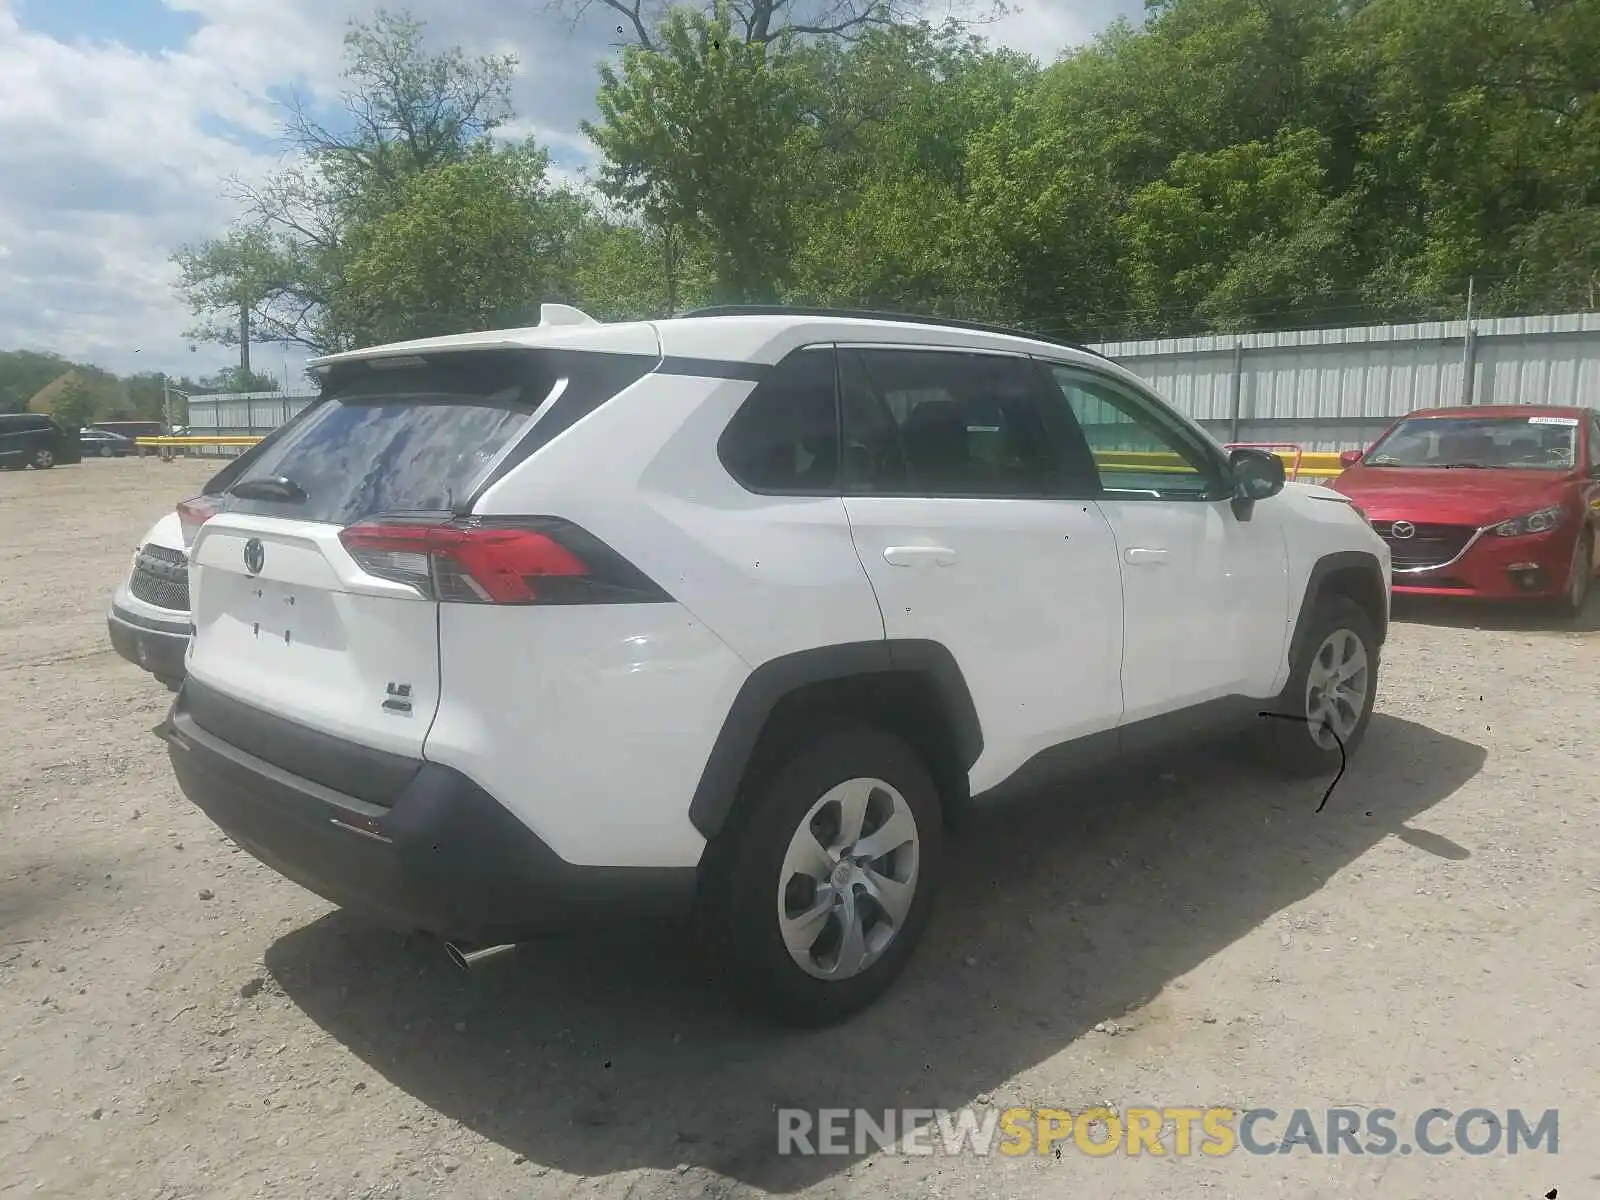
(194, 513)
(532, 560)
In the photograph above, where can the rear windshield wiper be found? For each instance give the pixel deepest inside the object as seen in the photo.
(1477, 466)
(279, 488)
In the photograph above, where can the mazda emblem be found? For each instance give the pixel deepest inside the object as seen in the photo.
(255, 555)
(1400, 529)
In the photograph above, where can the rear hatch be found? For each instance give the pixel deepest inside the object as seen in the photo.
(309, 606)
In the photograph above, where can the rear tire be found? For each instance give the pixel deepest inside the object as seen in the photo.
(1328, 701)
(836, 851)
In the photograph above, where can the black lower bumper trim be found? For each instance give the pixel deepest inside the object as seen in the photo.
(445, 858)
(157, 647)
(374, 776)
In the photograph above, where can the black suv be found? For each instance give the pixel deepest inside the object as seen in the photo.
(35, 440)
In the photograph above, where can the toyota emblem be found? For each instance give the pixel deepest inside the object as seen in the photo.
(255, 554)
(1400, 529)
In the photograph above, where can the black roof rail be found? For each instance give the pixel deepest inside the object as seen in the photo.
(867, 314)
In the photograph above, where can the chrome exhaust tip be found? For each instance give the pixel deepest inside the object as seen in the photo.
(464, 956)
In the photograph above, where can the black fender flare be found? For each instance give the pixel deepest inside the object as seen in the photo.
(776, 678)
(1328, 564)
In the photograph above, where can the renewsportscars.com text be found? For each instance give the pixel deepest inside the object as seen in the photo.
(1166, 1131)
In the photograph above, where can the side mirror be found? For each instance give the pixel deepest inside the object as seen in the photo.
(1257, 475)
(1349, 458)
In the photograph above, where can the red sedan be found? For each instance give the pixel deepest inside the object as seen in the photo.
(1498, 502)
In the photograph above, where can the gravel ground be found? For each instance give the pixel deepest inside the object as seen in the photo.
(176, 1020)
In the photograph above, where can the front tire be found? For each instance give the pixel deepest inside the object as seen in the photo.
(1580, 576)
(1323, 713)
(819, 889)
(43, 460)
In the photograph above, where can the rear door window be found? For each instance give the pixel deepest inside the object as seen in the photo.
(945, 423)
(422, 437)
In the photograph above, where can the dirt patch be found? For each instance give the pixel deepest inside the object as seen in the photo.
(176, 1020)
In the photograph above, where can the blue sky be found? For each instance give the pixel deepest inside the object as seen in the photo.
(122, 120)
(145, 26)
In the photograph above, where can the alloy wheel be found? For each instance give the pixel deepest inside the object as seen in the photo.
(848, 879)
(1336, 688)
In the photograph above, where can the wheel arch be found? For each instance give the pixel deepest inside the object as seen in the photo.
(1354, 574)
(913, 687)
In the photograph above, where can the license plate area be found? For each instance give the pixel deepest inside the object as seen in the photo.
(289, 615)
(268, 611)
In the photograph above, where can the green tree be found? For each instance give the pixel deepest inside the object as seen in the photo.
(1235, 238)
(23, 373)
(407, 113)
(137, 398)
(233, 379)
(708, 136)
(473, 244)
(1480, 149)
(1055, 180)
(891, 223)
(631, 270)
(75, 406)
(763, 22)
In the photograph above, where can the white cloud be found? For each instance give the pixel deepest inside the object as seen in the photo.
(1040, 30)
(110, 159)
(107, 170)
(113, 159)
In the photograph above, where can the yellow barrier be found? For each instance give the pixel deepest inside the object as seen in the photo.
(1319, 465)
(196, 441)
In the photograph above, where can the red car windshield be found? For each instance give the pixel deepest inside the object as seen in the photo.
(1537, 443)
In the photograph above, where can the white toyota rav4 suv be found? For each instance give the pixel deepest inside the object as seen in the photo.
(735, 613)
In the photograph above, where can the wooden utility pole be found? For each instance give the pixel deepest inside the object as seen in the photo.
(669, 262)
(244, 340)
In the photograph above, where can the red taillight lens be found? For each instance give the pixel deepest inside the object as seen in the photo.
(531, 561)
(194, 513)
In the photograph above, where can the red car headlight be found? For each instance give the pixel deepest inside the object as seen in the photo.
(1542, 521)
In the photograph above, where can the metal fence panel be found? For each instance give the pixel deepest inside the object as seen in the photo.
(246, 414)
(1326, 389)
(1329, 389)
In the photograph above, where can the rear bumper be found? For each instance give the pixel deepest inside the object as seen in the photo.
(445, 858)
(1496, 568)
(157, 646)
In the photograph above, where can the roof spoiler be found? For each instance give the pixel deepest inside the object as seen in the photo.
(551, 316)
(563, 314)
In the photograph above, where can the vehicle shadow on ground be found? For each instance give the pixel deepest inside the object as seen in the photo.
(1530, 617)
(598, 1057)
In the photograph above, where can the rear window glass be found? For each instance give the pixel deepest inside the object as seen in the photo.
(418, 438)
